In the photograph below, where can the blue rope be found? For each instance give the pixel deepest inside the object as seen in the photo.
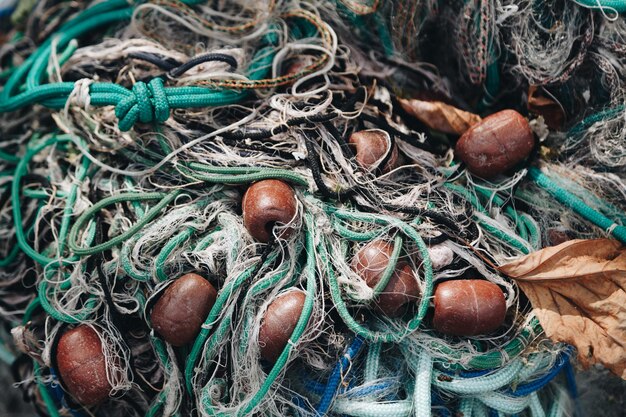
(439, 405)
(59, 395)
(300, 402)
(314, 387)
(526, 389)
(571, 380)
(372, 389)
(335, 378)
(444, 412)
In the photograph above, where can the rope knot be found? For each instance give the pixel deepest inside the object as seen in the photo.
(146, 103)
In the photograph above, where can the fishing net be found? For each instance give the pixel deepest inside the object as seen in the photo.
(131, 130)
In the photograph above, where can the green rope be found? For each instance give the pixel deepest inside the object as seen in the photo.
(241, 175)
(172, 244)
(165, 199)
(577, 205)
(151, 102)
(20, 171)
(618, 6)
(223, 296)
(508, 239)
(311, 290)
(262, 285)
(372, 362)
(335, 291)
(390, 268)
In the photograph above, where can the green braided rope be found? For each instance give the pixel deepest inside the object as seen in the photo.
(618, 6)
(499, 202)
(335, 291)
(172, 244)
(311, 290)
(145, 103)
(577, 205)
(372, 361)
(510, 240)
(20, 171)
(223, 296)
(262, 285)
(128, 266)
(391, 266)
(164, 198)
(346, 233)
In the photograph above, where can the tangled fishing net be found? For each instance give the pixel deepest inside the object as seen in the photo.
(131, 130)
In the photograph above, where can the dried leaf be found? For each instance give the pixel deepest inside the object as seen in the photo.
(578, 292)
(27, 342)
(551, 111)
(440, 116)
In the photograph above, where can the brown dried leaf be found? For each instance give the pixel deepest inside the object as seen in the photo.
(440, 116)
(551, 111)
(578, 292)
